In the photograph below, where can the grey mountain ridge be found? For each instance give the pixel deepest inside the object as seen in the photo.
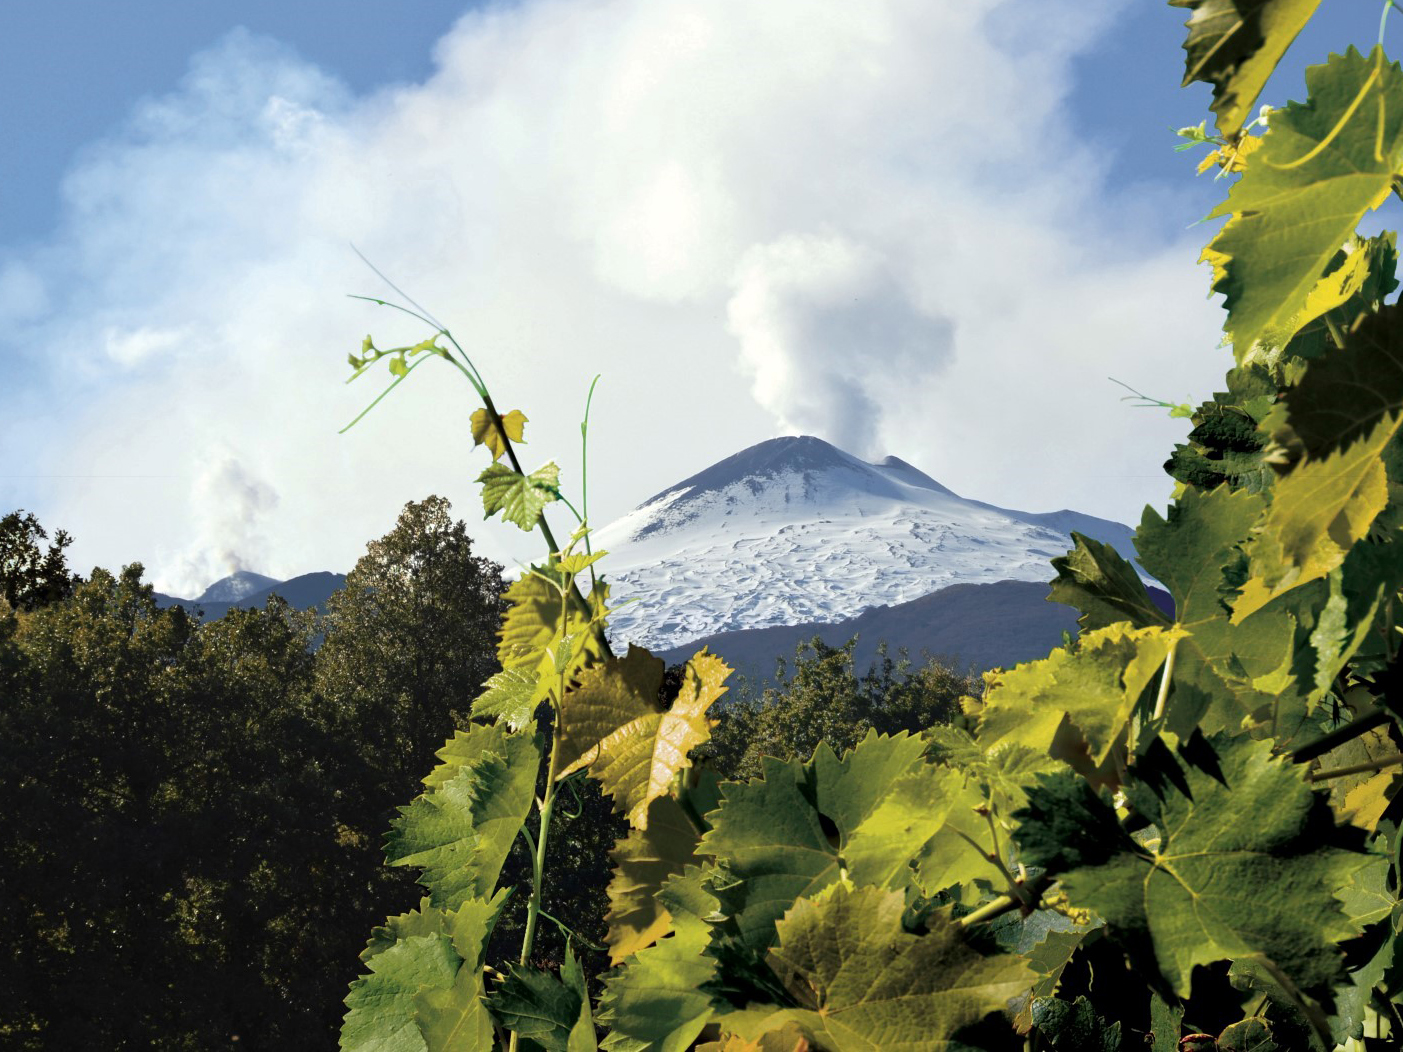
(302, 592)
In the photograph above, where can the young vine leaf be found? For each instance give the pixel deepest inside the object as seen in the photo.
(1321, 167)
(1235, 45)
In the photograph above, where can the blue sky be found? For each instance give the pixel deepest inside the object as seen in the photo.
(926, 229)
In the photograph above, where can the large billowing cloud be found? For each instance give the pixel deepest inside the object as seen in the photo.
(869, 221)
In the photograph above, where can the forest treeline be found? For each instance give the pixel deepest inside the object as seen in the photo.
(190, 853)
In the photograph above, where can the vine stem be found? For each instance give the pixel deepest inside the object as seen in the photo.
(547, 804)
(1163, 699)
(1358, 768)
(1356, 728)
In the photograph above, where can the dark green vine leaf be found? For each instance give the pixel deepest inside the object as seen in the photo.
(520, 498)
(865, 984)
(581, 1037)
(537, 1005)
(1097, 580)
(1213, 887)
(486, 432)
(1075, 1025)
(1235, 45)
(1321, 167)
(1225, 674)
(1248, 1035)
(1345, 394)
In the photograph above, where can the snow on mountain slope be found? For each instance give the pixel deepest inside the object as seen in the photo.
(236, 586)
(795, 530)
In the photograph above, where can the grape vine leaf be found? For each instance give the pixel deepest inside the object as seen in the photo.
(486, 432)
(1223, 673)
(537, 1005)
(520, 498)
(992, 785)
(1075, 1025)
(1098, 581)
(1299, 200)
(1235, 45)
(1075, 704)
(1345, 394)
(1317, 513)
(643, 862)
(460, 830)
(543, 611)
(614, 724)
(382, 1014)
(510, 696)
(655, 1002)
(455, 1018)
(800, 827)
(1212, 887)
(581, 1037)
(788, 1038)
(865, 984)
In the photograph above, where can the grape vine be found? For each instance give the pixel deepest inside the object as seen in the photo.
(1172, 833)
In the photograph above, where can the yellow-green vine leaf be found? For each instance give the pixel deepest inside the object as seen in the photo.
(382, 1012)
(1321, 167)
(801, 827)
(539, 616)
(615, 725)
(486, 432)
(643, 862)
(426, 920)
(1344, 280)
(655, 1001)
(865, 984)
(1318, 512)
(461, 829)
(510, 696)
(1098, 581)
(1075, 704)
(788, 1038)
(455, 1019)
(1223, 673)
(520, 498)
(1211, 887)
(1235, 45)
(992, 780)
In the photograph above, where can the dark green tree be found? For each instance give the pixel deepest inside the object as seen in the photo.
(412, 637)
(822, 698)
(31, 577)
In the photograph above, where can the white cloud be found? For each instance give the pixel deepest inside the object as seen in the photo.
(872, 215)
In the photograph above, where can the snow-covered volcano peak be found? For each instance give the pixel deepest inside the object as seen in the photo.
(795, 529)
(791, 477)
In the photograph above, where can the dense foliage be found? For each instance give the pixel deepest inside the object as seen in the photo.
(1173, 832)
(194, 813)
(821, 698)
